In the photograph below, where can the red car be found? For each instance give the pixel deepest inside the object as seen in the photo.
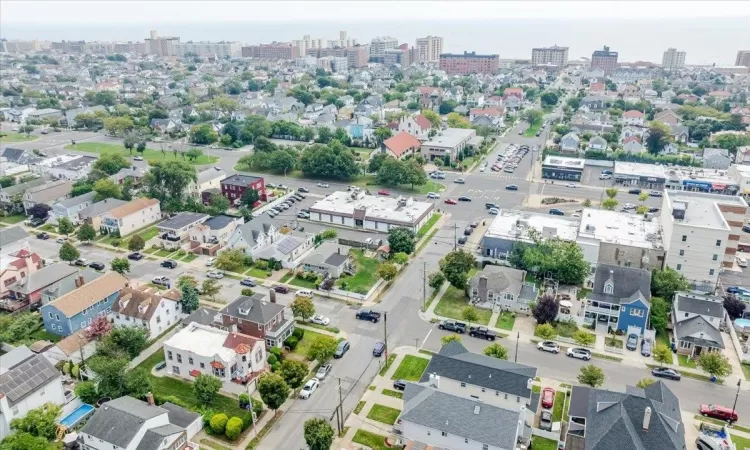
(548, 397)
(383, 192)
(450, 201)
(719, 412)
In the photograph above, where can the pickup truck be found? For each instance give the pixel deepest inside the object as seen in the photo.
(452, 325)
(370, 315)
(481, 333)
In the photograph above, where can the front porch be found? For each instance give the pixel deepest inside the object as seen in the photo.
(276, 336)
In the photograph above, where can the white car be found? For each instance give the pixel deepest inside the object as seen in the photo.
(549, 346)
(579, 353)
(571, 185)
(210, 262)
(482, 169)
(308, 389)
(433, 195)
(323, 371)
(215, 274)
(494, 211)
(323, 185)
(628, 206)
(320, 320)
(137, 158)
(605, 177)
(742, 262)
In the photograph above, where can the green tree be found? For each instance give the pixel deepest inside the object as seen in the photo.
(106, 188)
(293, 372)
(64, 226)
(401, 240)
(7, 181)
(325, 135)
(137, 383)
(273, 390)
(496, 351)
(456, 120)
(218, 422)
(433, 117)
(659, 135)
(111, 163)
(40, 422)
(136, 243)
(664, 283)
(611, 192)
(645, 382)
(203, 134)
(249, 198)
(545, 331)
(322, 348)
(584, 338)
(387, 271)
(303, 307)
(190, 302)
(456, 266)
(205, 387)
(86, 391)
(436, 280)
(381, 134)
(187, 280)
(233, 428)
(609, 204)
(210, 288)
(24, 441)
(118, 125)
(400, 258)
(232, 260)
(68, 252)
(194, 153)
(662, 354)
(86, 233)
(470, 314)
(333, 161)
(131, 340)
(449, 338)
(659, 313)
(219, 205)
(120, 265)
(110, 374)
(26, 129)
(549, 98)
(318, 434)
(532, 116)
(590, 375)
(447, 107)
(714, 364)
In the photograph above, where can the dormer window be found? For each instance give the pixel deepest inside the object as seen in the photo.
(243, 311)
(608, 288)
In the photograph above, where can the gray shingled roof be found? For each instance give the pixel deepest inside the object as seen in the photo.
(455, 362)
(696, 304)
(219, 222)
(21, 188)
(251, 230)
(73, 201)
(179, 415)
(708, 335)
(25, 377)
(259, 309)
(181, 220)
(336, 259)
(8, 236)
(459, 416)
(615, 420)
(99, 208)
(42, 278)
(153, 438)
(118, 421)
(628, 283)
(203, 316)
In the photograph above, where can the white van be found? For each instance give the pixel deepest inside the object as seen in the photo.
(742, 262)
(304, 293)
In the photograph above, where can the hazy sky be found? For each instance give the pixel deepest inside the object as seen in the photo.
(139, 12)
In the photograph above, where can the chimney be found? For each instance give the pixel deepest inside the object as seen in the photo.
(529, 383)
(79, 281)
(150, 399)
(482, 286)
(646, 418)
(272, 296)
(435, 381)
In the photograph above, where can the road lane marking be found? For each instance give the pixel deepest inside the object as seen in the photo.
(425, 339)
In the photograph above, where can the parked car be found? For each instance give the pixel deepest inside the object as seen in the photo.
(482, 333)
(169, 264)
(666, 372)
(545, 421)
(606, 172)
(468, 231)
(308, 389)
(61, 240)
(138, 158)
(742, 262)
(632, 342)
(548, 397)
(628, 206)
(378, 350)
(556, 212)
(646, 347)
(81, 262)
(210, 262)
(494, 211)
(342, 348)
(368, 314)
(433, 195)
(303, 189)
(511, 187)
(450, 201)
(464, 199)
(160, 281)
(490, 205)
(579, 353)
(281, 289)
(462, 240)
(37, 221)
(459, 181)
(248, 282)
(549, 346)
(304, 293)
(654, 193)
(215, 274)
(399, 385)
(737, 290)
(719, 412)
(452, 325)
(605, 177)
(320, 320)
(135, 256)
(42, 236)
(635, 191)
(571, 185)
(745, 228)
(96, 266)
(323, 185)
(323, 371)
(384, 192)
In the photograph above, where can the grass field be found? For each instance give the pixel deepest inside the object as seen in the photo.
(149, 154)
(686, 362)
(505, 320)
(372, 440)
(531, 131)
(429, 224)
(383, 414)
(411, 368)
(453, 303)
(257, 273)
(303, 348)
(366, 276)
(540, 443)
(8, 138)
(14, 219)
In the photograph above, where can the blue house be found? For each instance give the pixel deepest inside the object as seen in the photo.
(76, 310)
(620, 299)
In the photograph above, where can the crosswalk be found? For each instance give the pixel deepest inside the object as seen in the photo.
(500, 175)
(491, 194)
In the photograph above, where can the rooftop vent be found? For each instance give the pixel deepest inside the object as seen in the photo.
(476, 409)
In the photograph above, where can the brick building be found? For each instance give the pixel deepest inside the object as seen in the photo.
(468, 63)
(604, 59)
(233, 187)
(274, 50)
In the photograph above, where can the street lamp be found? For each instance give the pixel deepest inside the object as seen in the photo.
(739, 383)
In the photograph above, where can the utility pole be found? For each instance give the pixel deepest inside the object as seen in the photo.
(341, 408)
(518, 337)
(739, 383)
(424, 285)
(455, 236)
(385, 336)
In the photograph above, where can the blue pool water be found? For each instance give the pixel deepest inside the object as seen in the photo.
(742, 323)
(72, 419)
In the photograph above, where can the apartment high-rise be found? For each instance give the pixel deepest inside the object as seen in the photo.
(380, 44)
(673, 59)
(557, 56)
(161, 45)
(274, 50)
(468, 63)
(604, 59)
(743, 58)
(429, 48)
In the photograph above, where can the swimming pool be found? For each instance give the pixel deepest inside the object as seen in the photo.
(742, 323)
(74, 418)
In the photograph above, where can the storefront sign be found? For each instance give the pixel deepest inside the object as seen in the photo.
(696, 184)
(719, 186)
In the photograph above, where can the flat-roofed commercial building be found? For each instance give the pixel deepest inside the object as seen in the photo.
(648, 176)
(448, 142)
(563, 168)
(512, 226)
(274, 50)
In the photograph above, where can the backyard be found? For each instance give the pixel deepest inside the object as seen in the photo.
(541, 443)
(365, 277)
(411, 368)
(148, 154)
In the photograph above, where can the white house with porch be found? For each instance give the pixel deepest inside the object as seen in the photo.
(696, 323)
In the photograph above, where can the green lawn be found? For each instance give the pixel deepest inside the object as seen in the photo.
(663, 338)
(531, 131)
(16, 137)
(303, 347)
(746, 371)
(303, 283)
(286, 277)
(395, 394)
(428, 225)
(10, 220)
(163, 253)
(369, 182)
(42, 335)
(149, 154)
(411, 368)
(685, 362)
(505, 320)
(557, 408)
(257, 273)
(453, 303)
(384, 414)
(540, 443)
(388, 364)
(372, 440)
(151, 251)
(740, 442)
(190, 257)
(566, 329)
(366, 276)
(359, 407)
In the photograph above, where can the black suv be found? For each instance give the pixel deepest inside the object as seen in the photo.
(370, 315)
(135, 256)
(378, 349)
(169, 264)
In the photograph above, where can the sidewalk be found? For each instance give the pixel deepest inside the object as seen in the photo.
(252, 432)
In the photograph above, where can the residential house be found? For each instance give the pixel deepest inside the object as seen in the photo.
(633, 144)
(11, 197)
(430, 97)
(570, 142)
(401, 145)
(230, 356)
(630, 132)
(212, 235)
(361, 128)
(258, 317)
(165, 125)
(667, 117)
(595, 102)
(503, 287)
(619, 299)
(680, 133)
(742, 156)
(235, 185)
(27, 381)
(48, 194)
(77, 309)
(69, 284)
(133, 173)
(133, 215)
(513, 92)
(13, 240)
(417, 126)
(513, 103)
(175, 231)
(328, 260)
(597, 143)
(636, 419)
(253, 235)
(147, 308)
(28, 288)
(130, 424)
(475, 100)
(433, 419)
(71, 207)
(495, 382)
(716, 158)
(70, 168)
(93, 214)
(696, 323)
(633, 117)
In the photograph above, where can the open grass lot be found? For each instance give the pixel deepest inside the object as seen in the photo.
(746, 371)
(190, 257)
(7, 138)
(505, 320)
(686, 362)
(150, 155)
(146, 233)
(531, 131)
(411, 368)
(10, 220)
(455, 300)
(540, 443)
(366, 276)
(383, 414)
(429, 224)
(372, 440)
(303, 347)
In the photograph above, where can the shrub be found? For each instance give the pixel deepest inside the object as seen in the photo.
(299, 333)
(66, 368)
(162, 399)
(291, 342)
(272, 359)
(275, 366)
(116, 243)
(75, 371)
(244, 399)
(277, 352)
(248, 292)
(260, 264)
(233, 428)
(247, 261)
(219, 423)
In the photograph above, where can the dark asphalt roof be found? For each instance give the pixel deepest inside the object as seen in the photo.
(628, 284)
